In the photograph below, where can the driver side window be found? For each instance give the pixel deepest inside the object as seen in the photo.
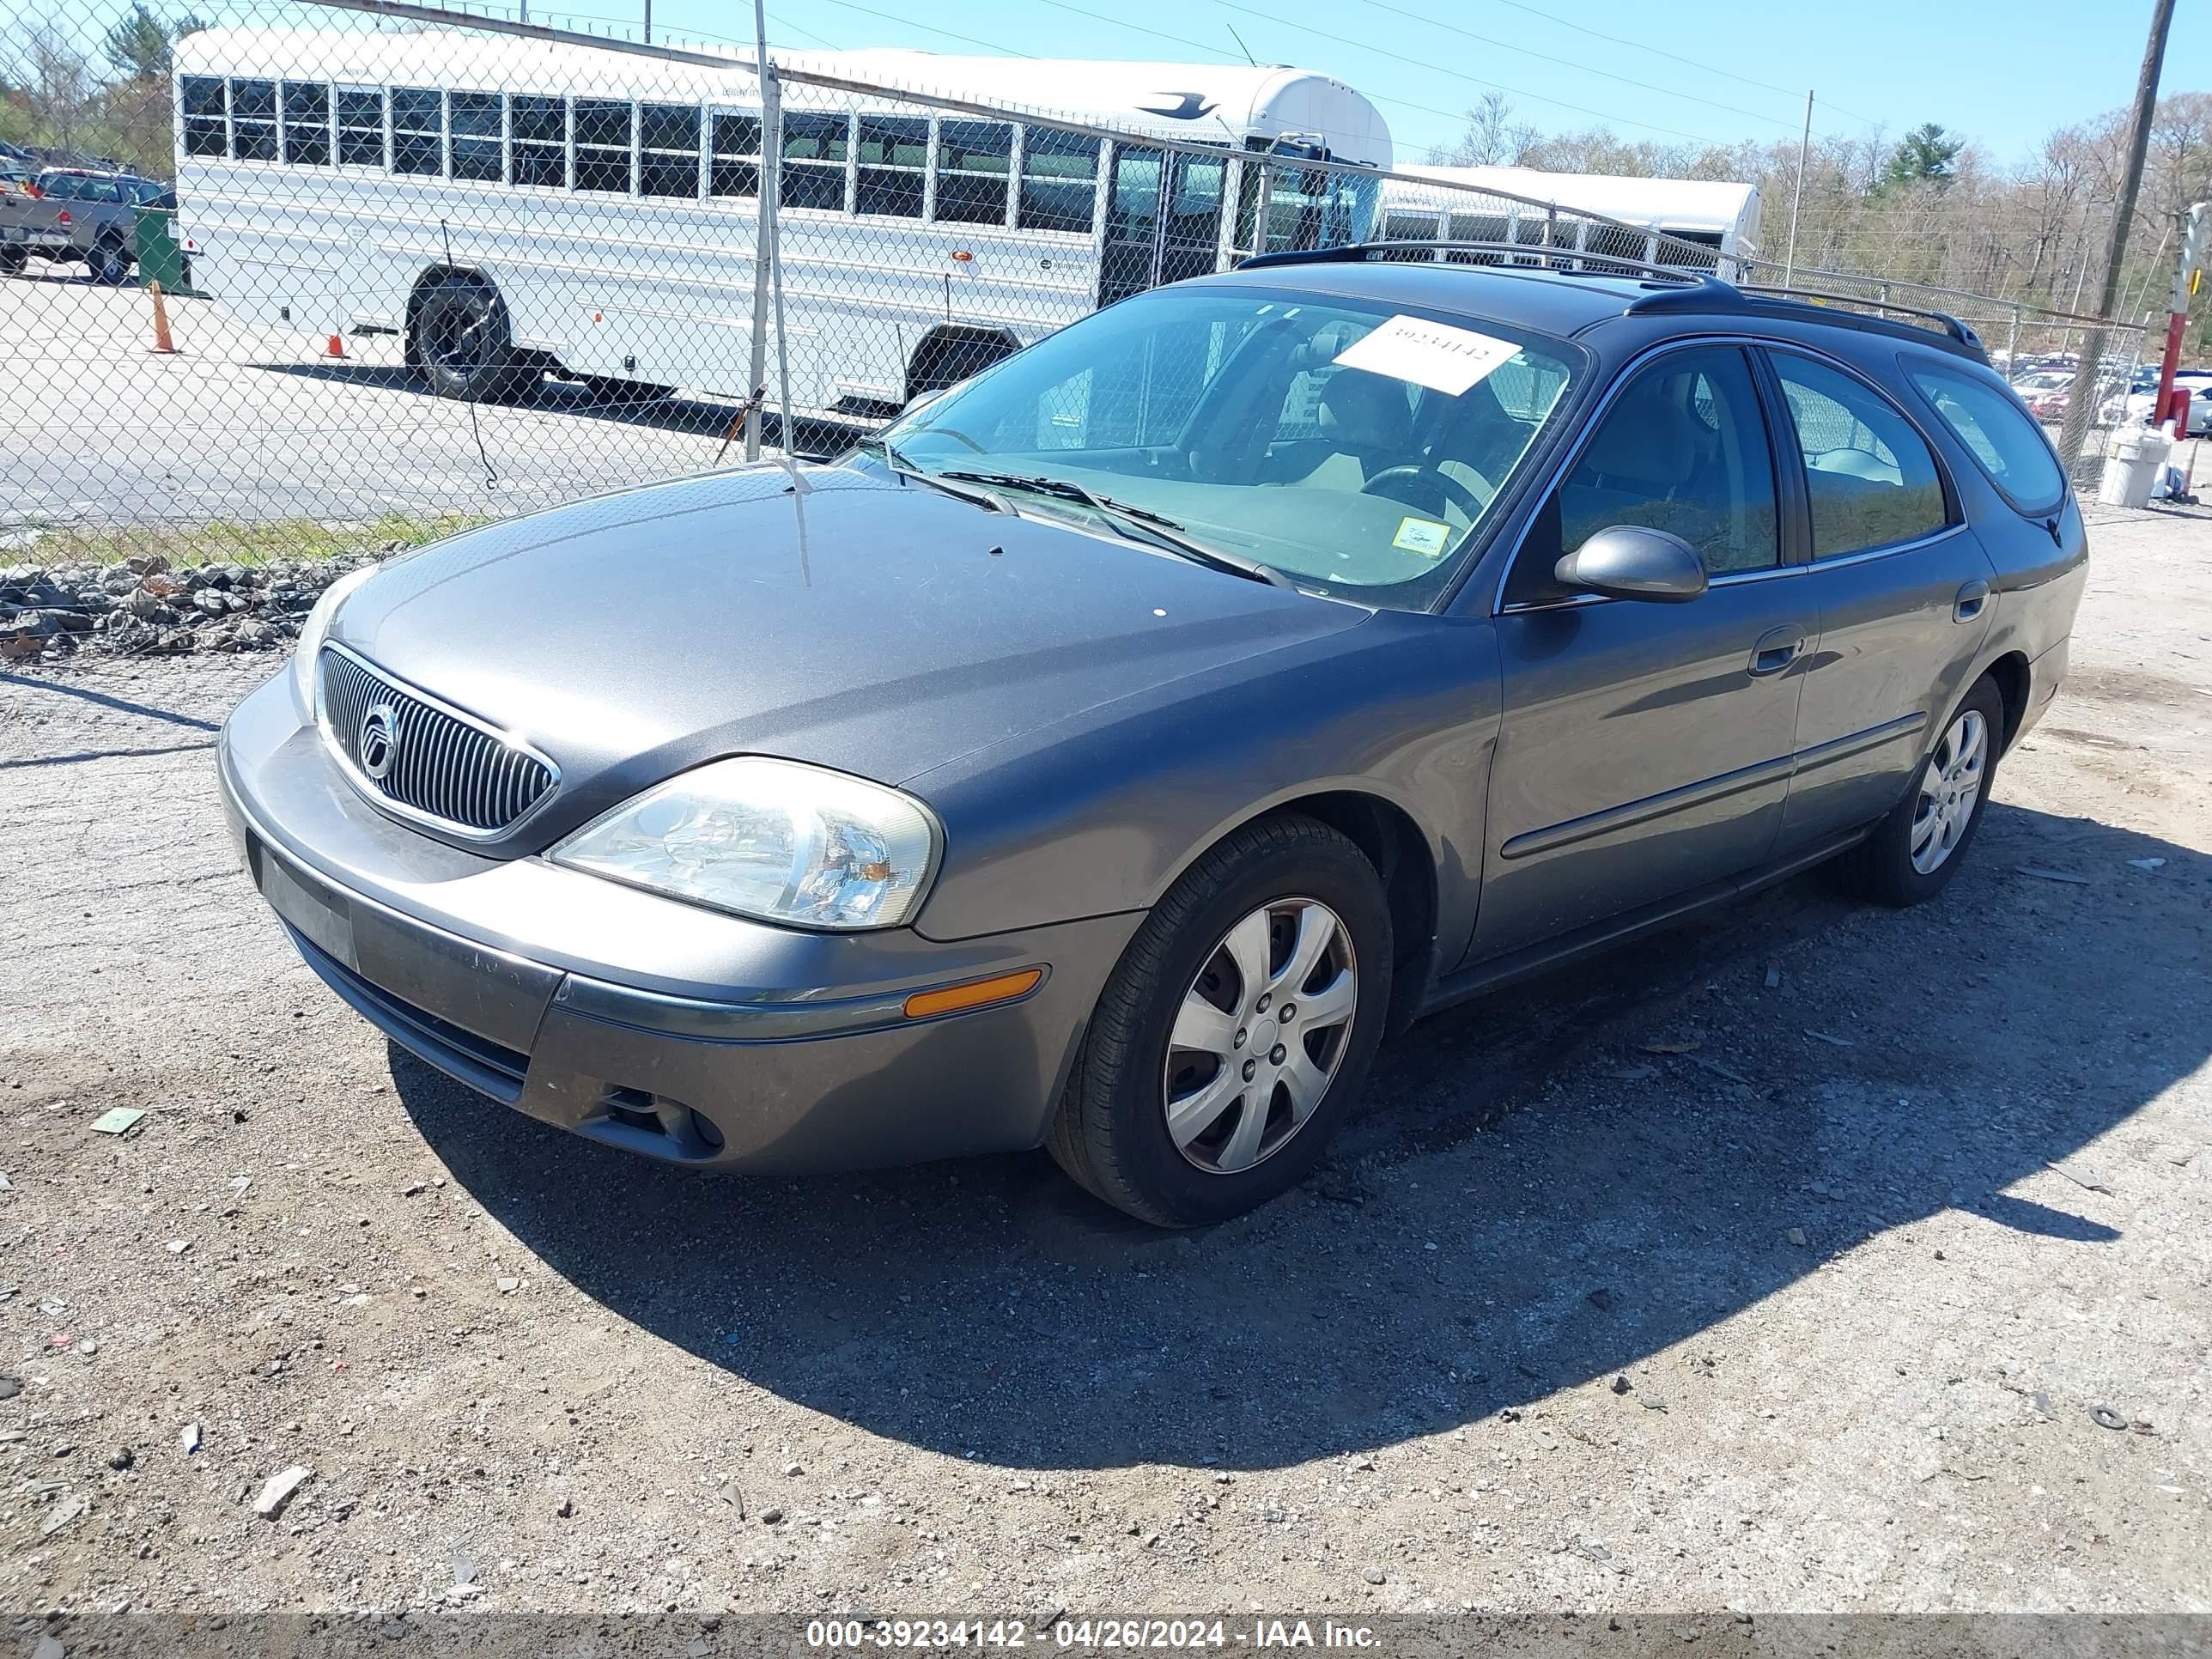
(1683, 448)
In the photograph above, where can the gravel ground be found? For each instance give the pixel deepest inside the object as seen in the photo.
(1788, 1262)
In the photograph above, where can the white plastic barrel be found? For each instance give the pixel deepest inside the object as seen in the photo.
(2131, 466)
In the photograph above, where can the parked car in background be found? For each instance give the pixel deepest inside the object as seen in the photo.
(2137, 407)
(1109, 754)
(79, 214)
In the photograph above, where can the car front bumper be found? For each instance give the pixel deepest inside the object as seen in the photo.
(659, 1027)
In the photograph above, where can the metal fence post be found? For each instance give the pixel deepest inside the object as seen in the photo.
(764, 235)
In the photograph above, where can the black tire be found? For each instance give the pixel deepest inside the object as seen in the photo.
(110, 262)
(1111, 1131)
(459, 343)
(12, 261)
(1880, 868)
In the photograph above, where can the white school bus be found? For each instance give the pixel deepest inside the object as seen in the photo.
(508, 205)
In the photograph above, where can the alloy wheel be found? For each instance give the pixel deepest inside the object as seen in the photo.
(1260, 1033)
(1949, 787)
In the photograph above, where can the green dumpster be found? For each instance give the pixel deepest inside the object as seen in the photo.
(161, 253)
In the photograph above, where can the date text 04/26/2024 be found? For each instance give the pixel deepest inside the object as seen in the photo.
(1139, 1635)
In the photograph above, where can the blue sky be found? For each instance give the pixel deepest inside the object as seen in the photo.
(2003, 71)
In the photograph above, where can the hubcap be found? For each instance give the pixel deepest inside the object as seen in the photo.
(1260, 1035)
(1949, 789)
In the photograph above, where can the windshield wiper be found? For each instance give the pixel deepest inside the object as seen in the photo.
(896, 461)
(1154, 526)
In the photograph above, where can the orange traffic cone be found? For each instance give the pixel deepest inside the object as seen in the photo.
(336, 348)
(162, 344)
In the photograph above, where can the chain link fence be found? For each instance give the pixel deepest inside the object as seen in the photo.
(306, 281)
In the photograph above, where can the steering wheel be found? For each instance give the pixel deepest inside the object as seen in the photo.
(1417, 485)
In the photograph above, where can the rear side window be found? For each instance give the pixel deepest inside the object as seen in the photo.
(1990, 422)
(1870, 478)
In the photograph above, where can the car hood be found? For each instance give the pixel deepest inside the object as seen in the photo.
(878, 627)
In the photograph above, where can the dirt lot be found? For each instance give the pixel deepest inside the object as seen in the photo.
(1820, 1312)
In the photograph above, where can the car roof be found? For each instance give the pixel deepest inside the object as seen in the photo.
(1549, 302)
(1570, 301)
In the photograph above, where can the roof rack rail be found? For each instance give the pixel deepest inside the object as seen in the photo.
(1575, 260)
(1951, 325)
(1818, 300)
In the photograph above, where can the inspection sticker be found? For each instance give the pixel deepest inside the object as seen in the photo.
(1423, 536)
(1434, 355)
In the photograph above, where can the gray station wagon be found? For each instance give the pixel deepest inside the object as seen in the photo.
(1111, 753)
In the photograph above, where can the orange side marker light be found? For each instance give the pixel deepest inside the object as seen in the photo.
(974, 994)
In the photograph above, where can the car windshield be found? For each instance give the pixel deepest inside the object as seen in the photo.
(1355, 449)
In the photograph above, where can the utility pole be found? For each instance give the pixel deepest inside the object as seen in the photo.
(2187, 278)
(1797, 196)
(2080, 402)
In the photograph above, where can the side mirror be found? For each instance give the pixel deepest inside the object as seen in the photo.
(1627, 562)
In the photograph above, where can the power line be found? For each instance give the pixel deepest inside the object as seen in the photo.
(992, 47)
(1456, 117)
(1496, 85)
(1627, 80)
(1660, 52)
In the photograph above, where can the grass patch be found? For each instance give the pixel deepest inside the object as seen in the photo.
(238, 542)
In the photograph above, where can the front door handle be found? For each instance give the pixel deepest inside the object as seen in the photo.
(1777, 649)
(1972, 596)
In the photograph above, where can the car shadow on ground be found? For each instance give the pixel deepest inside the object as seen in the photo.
(696, 418)
(1543, 1188)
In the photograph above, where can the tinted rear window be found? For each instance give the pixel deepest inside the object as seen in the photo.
(1999, 433)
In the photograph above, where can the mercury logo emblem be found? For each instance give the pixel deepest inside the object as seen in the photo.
(379, 741)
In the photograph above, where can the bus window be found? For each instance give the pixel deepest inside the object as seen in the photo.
(814, 148)
(540, 129)
(668, 142)
(1059, 181)
(973, 159)
(307, 124)
(477, 144)
(253, 120)
(737, 156)
(894, 161)
(1402, 227)
(361, 126)
(603, 135)
(417, 133)
(205, 127)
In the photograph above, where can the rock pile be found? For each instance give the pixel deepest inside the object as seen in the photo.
(146, 607)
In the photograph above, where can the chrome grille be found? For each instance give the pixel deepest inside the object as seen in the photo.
(441, 765)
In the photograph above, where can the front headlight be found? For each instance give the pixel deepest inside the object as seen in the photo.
(316, 628)
(771, 839)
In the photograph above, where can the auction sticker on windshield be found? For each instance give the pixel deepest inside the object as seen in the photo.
(1423, 536)
(1434, 355)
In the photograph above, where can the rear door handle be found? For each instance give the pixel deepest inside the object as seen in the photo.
(1972, 596)
(1777, 649)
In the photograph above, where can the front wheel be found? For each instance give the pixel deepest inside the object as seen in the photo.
(1235, 1030)
(1914, 852)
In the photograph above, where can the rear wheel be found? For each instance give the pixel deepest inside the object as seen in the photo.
(110, 262)
(459, 343)
(1915, 851)
(12, 261)
(1235, 1031)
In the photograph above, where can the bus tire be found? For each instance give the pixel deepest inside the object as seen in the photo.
(948, 354)
(461, 345)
